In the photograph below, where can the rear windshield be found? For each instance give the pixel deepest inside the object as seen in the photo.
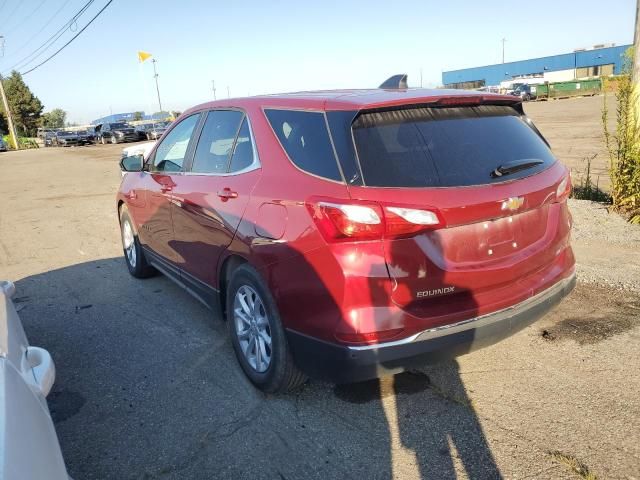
(445, 147)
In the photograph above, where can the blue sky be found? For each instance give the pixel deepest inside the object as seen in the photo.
(258, 47)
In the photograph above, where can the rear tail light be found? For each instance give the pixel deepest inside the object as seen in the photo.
(340, 222)
(564, 188)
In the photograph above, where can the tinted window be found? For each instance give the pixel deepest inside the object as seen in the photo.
(305, 138)
(172, 150)
(216, 141)
(243, 150)
(444, 147)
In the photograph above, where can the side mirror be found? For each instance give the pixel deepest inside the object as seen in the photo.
(134, 163)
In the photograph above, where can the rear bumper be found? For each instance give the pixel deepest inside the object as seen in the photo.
(346, 364)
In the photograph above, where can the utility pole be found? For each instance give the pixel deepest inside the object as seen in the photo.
(155, 75)
(228, 94)
(503, 42)
(636, 49)
(12, 128)
(213, 87)
(420, 77)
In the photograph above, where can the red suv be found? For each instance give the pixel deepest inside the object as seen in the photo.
(349, 234)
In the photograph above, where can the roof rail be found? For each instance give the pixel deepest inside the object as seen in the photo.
(395, 82)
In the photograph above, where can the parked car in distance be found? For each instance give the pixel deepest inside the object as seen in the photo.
(119, 132)
(153, 131)
(86, 137)
(66, 138)
(525, 92)
(3, 145)
(350, 234)
(46, 136)
(29, 445)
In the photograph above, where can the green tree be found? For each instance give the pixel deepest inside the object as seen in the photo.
(624, 145)
(56, 118)
(25, 106)
(4, 128)
(137, 116)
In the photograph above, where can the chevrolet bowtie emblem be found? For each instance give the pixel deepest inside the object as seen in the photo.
(512, 203)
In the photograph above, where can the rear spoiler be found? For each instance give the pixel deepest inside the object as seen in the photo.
(395, 82)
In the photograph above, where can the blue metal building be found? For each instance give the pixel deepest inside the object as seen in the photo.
(129, 116)
(579, 64)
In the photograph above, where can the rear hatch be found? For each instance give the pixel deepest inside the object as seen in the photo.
(500, 226)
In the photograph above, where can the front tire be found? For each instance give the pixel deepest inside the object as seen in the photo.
(257, 335)
(133, 254)
(114, 140)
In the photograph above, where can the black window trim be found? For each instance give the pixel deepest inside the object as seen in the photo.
(333, 147)
(255, 165)
(188, 156)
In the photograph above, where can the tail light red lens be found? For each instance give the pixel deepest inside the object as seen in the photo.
(564, 188)
(354, 221)
(344, 222)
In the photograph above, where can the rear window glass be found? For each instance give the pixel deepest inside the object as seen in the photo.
(445, 147)
(305, 138)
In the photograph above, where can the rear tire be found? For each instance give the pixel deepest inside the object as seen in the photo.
(114, 139)
(102, 141)
(133, 254)
(257, 328)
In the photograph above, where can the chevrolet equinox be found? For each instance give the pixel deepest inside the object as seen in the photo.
(349, 234)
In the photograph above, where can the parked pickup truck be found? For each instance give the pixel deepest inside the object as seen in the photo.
(29, 447)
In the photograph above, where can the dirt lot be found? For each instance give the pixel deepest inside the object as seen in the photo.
(148, 387)
(573, 127)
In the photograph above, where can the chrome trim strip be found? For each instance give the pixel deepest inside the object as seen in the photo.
(475, 322)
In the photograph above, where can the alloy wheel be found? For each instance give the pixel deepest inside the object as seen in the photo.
(128, 241)
(252, 328)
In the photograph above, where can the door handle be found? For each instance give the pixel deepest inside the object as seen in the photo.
(166, 188)
(226, 193)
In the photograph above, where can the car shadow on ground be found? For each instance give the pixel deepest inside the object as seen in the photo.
(148, 387)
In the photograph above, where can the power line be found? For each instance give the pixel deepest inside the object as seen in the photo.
(8, 17)
(51, 40)
(72, 39)
(24, 20)
(35, 35)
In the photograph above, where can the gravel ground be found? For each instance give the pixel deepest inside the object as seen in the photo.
(607, 248)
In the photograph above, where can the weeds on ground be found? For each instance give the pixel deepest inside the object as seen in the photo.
(585, 189)
(24, 142)
(574, 464)
(624, 146)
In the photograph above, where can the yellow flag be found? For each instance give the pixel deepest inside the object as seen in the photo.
(142, 56)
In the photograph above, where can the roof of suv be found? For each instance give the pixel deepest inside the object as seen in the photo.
(355, 99)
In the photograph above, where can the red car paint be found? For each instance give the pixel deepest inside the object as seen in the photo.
(371, 290)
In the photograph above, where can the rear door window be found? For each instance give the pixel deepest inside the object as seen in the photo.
(216, 141)
(445, 147)
(304, 136)
(243, 150)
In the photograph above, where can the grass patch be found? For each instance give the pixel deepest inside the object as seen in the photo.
(623, 145)
(578, 467)
(584, 187)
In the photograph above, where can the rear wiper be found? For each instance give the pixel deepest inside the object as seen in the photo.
(515, 166)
